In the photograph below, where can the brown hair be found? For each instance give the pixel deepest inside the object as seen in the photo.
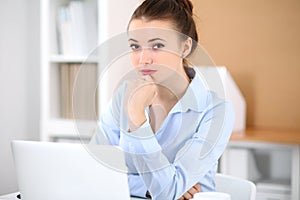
(180, 12)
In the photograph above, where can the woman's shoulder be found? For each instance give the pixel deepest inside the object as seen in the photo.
(209, 87)
(119, 92)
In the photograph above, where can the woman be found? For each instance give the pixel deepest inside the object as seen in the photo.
(172, 128)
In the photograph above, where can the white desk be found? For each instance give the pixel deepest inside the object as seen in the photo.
(13, 196)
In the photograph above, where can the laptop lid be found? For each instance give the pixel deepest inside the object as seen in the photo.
(60, 171)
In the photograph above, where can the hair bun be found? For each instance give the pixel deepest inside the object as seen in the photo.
(185, 4)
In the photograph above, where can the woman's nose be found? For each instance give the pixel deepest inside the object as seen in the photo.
(146, 56)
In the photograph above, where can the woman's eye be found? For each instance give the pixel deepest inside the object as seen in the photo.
(158, 46)
(134, 47)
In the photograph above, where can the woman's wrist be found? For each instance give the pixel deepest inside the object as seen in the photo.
(136, 120)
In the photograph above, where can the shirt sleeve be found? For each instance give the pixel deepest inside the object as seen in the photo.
(108, 133)
(137, 185)
(108, 127)
(170, 180)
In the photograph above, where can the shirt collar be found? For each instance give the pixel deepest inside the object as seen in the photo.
(195, 97)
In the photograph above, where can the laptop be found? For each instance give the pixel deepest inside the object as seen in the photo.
(60, 171)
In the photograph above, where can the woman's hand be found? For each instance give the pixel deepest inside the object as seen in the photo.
(190, 193)
(139, 94)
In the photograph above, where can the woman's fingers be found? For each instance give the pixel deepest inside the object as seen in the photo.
(187, 195)
(142, 91)
(147, 78)
(139, 94)
(190, 193)
(197, 187)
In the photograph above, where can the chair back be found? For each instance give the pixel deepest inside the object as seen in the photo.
(239, 189)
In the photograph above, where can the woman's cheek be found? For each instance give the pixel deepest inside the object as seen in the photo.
(134, 58)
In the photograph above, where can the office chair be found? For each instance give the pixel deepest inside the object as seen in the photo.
(239, 189)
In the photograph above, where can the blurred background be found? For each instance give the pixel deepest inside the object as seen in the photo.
(19, 81)
(258, 42)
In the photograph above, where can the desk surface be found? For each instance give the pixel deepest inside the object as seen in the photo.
(13, 196)
(260, 135)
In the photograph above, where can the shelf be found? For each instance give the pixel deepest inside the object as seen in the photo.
(60, 57)
(73, 59)
(273, 189)
(268, 136)
(275, 186)
(275, 154)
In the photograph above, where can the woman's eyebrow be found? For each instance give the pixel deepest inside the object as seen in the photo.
(151, 40)
(133, 40)
(154, 39)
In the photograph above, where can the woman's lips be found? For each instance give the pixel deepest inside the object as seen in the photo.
(147, 71)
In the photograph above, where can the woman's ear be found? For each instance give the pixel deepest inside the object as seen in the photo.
(187, 47)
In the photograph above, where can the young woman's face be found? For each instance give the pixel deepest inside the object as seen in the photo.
(156, 48)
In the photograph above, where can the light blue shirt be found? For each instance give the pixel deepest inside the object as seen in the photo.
(184, 151)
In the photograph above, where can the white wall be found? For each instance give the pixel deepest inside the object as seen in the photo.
(113, 20)
(19, 81)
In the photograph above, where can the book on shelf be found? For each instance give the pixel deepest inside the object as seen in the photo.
(78, 91)
(65, 91)
(77, 28)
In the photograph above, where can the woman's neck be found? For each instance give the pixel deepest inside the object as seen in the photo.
(172, 89)
(176, 84)
(169, 93)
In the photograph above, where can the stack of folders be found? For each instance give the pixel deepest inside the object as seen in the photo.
(78, 91)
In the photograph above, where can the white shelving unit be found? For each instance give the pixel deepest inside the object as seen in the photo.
(53, 125)
(271, 159)
(110, 16)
